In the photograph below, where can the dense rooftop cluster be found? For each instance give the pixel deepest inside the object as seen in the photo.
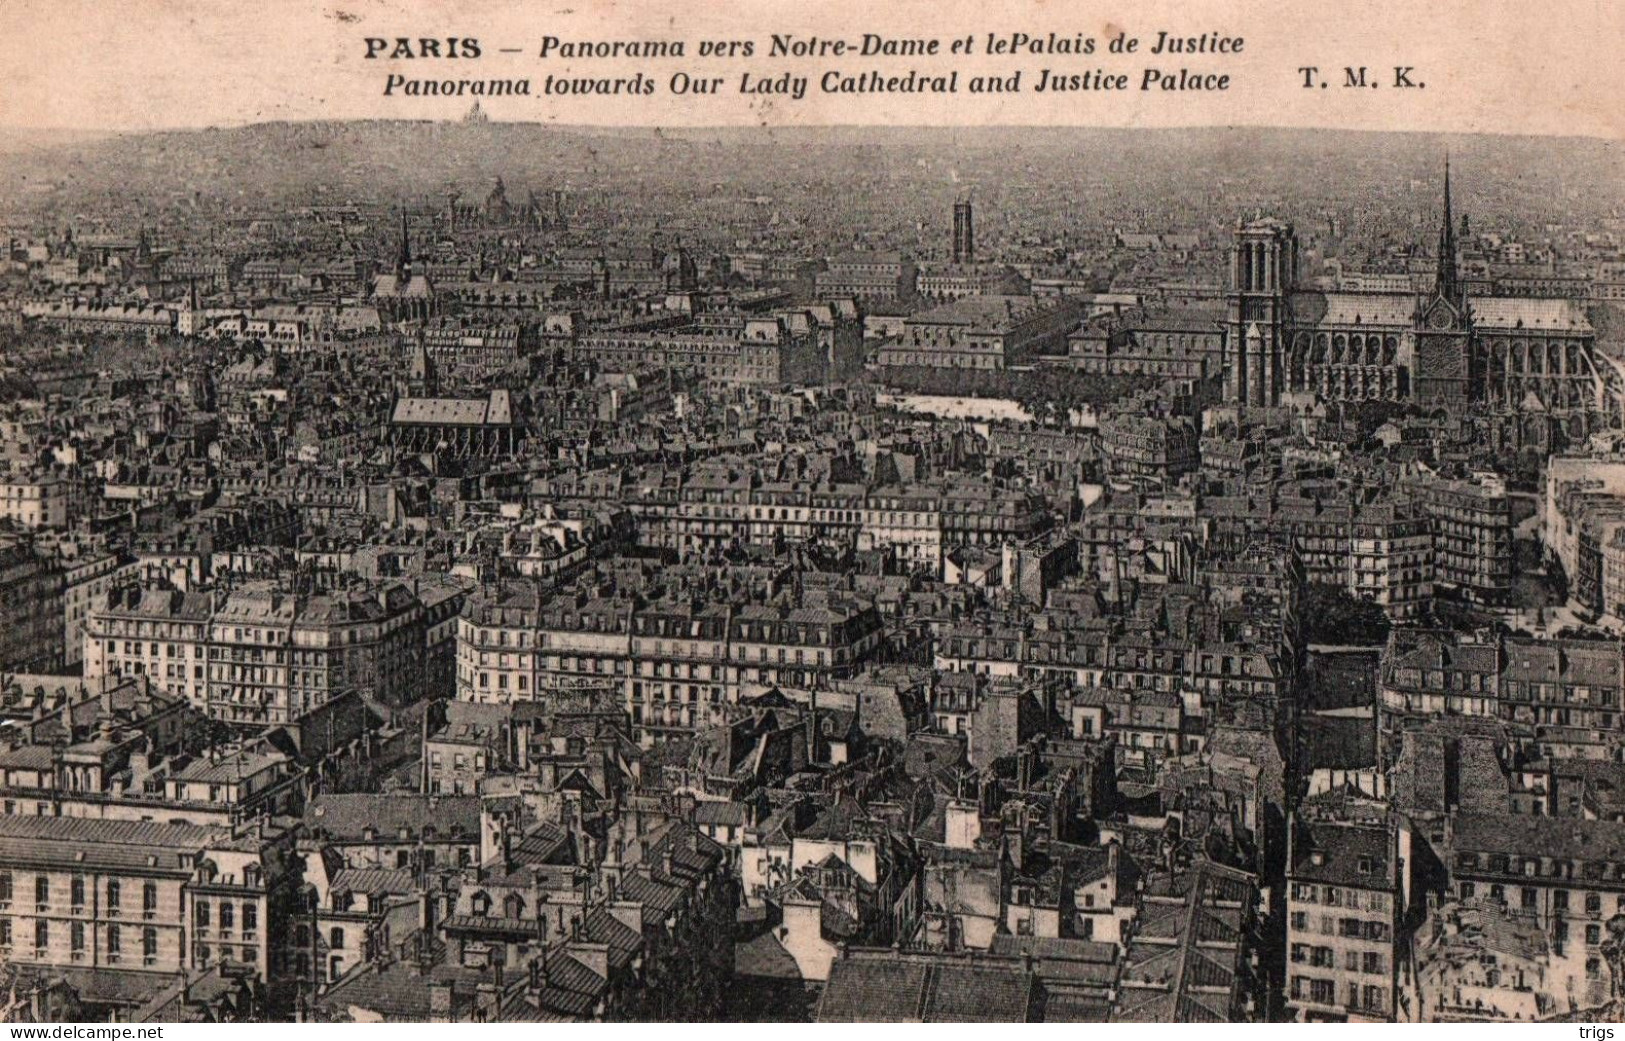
(484, 607)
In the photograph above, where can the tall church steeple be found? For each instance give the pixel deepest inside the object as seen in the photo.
(403, 263)
(1447, 284)
(1445, 361)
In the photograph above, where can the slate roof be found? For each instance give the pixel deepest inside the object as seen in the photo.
(348, 816)
(1379, 310)
(400, 992)
(911, 989)
(763, 956)
(100, 986)
(872, 991)
(1350, 855)
(1067, 1007)
(545, 843)
(572, 987)
(112, 845)
(231, 768)
(1568, 661)
(1512, 313)
(623, 941)
(375, 880)
(390, 287)
(728, 814)
(494, 410)
(1540, 837)
(28, 757)
(1068, 960)
(657, 896)
(1184, 964)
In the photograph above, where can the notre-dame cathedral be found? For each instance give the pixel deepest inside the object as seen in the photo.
(1285, 344)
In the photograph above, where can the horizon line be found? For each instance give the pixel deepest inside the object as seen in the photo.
(747, 127)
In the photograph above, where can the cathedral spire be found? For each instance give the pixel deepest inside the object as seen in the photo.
(1447, 284)
(403, 264)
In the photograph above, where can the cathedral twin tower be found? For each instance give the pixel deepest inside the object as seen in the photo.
(1340, 345)
(1263, 271)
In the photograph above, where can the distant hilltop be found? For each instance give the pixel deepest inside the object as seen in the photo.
(30, 139)
(422, 156)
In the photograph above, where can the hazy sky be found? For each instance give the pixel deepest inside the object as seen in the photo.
(1488, 65)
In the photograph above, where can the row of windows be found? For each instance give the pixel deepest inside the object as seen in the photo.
(597, 666)
(308, 658)
(460, 760)
(171, 671)
(1369, 962)
(1347, 928)
(1333, 896)
(1503, 864)
(694, 670)
(171, 649)
(205, 954)
(76, 939)
(227, 914)
(678, 692)
(114, 892)
(1324, 992)
(1529, 898)
(165, 630)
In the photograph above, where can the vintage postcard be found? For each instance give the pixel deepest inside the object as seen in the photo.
(799, 511)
